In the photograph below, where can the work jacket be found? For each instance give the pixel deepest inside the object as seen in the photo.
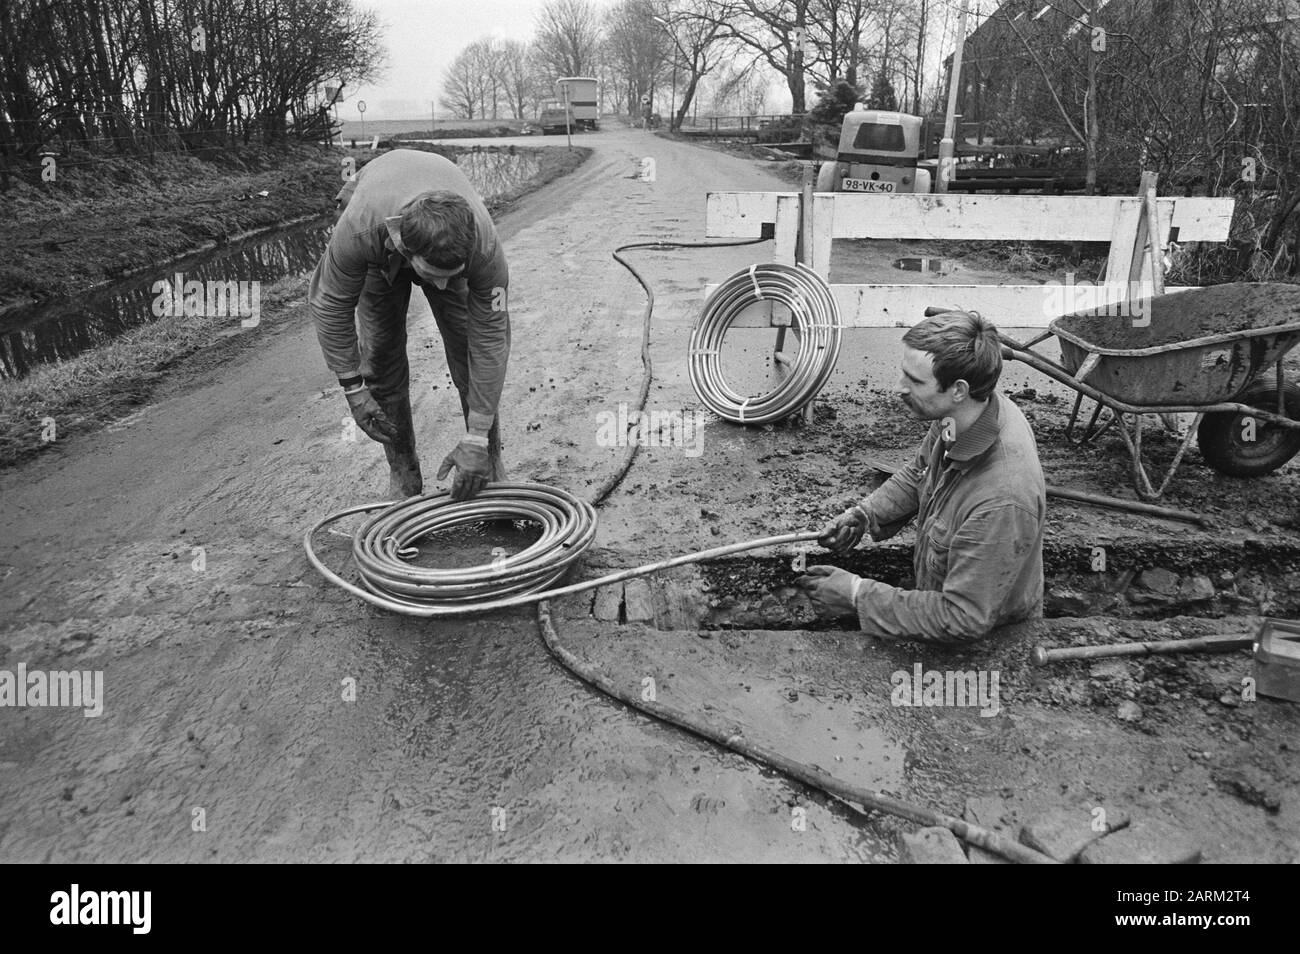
(980, 504)
(360, 242)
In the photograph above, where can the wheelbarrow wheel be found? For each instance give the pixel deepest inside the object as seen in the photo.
(1222, 436)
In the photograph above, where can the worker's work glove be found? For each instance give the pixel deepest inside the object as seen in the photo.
(370, 417)
(473, 469)
(845, 531)
(830, 590)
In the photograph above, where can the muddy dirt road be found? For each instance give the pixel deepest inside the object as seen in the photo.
(166, 552)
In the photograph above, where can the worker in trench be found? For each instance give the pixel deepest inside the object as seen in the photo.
(412, 218)
(975, 488)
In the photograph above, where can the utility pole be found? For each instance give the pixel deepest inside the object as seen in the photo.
(947, 163)
(568, 133)
(433, 122)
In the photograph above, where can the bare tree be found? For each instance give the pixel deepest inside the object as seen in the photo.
(541, 82)
(776, 32)
(697, 32)
(568, 38)
(485, 59)
(1060, 43)
(839, 27)
(127, 75)
(516, 76)
(636, 48)
(741, 88)
(460, 95)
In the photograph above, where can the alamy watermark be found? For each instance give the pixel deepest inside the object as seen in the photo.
(76, 906)
(77, 688)
(654, 428)
(961, 689)
(1114, 299)
(210, 299)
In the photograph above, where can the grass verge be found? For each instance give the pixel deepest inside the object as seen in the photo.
(83, 393)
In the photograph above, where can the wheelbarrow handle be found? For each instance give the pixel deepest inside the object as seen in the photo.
(1013, 349)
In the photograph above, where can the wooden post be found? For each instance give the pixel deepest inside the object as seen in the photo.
(803, 253)
(803, 248)
(1147, 231)
(1155, 239)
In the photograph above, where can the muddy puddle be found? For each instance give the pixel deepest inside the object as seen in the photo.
(495, 173)
(63, 329)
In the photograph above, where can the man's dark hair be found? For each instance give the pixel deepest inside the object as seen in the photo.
(438, 227)
(964, 346)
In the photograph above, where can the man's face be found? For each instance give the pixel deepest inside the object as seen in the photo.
(436, 276)
(918, 389)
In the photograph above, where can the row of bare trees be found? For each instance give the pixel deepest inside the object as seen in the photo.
(637, 47)
(1204, 92)
(122, 76)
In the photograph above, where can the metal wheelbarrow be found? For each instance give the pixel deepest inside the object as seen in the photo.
(1205, 351)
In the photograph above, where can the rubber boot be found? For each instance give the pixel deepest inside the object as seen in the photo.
(405, 479)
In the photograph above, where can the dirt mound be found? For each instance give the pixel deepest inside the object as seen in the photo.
(1197, 313)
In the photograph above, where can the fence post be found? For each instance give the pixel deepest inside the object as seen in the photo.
(803, 253)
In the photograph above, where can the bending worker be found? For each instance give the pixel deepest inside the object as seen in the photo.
(412, 218)
(975, 488)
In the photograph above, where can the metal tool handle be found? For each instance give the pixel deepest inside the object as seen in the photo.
(1041, 655)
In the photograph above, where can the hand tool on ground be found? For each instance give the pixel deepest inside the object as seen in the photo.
(1042, 656)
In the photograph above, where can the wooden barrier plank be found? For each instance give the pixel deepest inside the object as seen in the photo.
(1007, 306)
(969, 217)
(740, 214)
(1124, 241)
(823, 223)
(786, 215)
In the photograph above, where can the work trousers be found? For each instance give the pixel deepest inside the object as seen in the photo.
(381, 334)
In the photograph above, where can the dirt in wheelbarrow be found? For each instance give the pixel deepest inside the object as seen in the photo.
(1198, 313)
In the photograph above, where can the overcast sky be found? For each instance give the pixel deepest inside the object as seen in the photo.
(422, 38)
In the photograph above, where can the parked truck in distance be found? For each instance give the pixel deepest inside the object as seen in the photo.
(580, 92)
(554, 118)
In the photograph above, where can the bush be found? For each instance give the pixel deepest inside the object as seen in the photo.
(834, 103)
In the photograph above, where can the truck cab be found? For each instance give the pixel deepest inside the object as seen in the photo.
(879, 151)
(554, 118)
